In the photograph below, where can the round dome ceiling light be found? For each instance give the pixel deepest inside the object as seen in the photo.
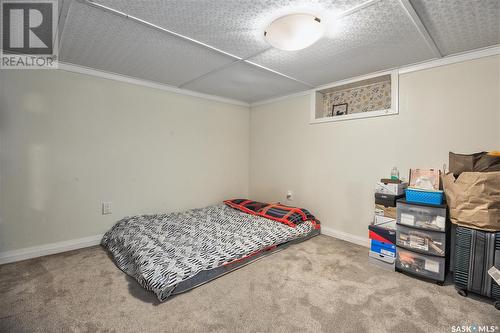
(294, 32)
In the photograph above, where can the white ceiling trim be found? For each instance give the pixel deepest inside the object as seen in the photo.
(221, 68)
(420, 27)
(150, 84)
(278, 73)
(208, 73)
(357, 8)
(448, 60)
(281, 98)
(452, 59)
(62, 20)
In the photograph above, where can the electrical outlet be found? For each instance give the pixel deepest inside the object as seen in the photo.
(289, 195)
(106, 208)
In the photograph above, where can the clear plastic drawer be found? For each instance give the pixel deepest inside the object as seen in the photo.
(421, 240)
(420, 264)
(425, 217)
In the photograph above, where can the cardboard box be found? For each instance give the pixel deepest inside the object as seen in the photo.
(378, 220)
(425, 179)
(390, 188)
(382, 210)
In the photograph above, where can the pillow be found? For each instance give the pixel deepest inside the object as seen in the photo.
(245, 205)
(291, 216)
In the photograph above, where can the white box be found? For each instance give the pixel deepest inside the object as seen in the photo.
(390, 188)
(387, 221)
(378, 256)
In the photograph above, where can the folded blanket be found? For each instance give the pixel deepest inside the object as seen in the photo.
(291, 216)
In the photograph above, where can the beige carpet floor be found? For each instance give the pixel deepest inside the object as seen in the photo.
(321, 285)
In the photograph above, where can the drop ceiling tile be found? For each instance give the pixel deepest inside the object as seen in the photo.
(375, 38)
(234, 26)
(460, 25)
(98, 39)
(245, 82)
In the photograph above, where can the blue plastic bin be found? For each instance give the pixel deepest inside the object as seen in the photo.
(424, 196)
(383, 248)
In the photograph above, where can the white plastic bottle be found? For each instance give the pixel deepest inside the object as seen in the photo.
(394, 173)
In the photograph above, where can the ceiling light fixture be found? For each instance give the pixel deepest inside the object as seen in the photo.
(295, 31)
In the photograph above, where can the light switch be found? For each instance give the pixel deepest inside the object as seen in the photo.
(106, 208)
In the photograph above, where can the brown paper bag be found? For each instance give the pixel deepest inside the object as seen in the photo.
(463, 162)
(487, 163)
(474, 199)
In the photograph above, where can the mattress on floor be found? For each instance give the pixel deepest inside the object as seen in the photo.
(211, 274)
(162, 251)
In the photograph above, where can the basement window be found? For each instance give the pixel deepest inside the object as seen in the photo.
(368, 96)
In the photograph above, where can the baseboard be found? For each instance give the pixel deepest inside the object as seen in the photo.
(47, 249)
(363, 241)
(74, 244)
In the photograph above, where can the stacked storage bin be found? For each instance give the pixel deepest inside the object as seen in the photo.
(382, 244)
(422, 239)
(473, 192)
(382, 231)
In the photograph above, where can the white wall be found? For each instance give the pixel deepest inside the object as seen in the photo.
(332, 167)
(69, 141)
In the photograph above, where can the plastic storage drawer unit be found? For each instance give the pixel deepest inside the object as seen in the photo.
(420, 264)
(430, 242)
(422, 216)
